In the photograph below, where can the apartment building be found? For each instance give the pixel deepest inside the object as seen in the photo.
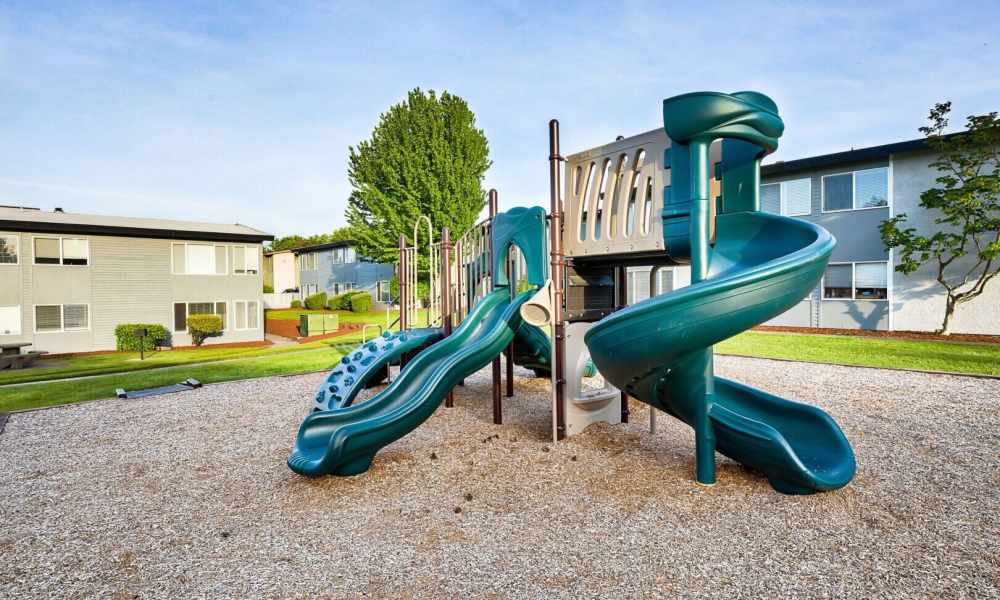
(67, 280)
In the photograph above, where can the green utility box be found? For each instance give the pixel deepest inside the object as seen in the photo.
(318, 324)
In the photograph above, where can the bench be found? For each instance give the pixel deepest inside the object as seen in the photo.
(19, 361)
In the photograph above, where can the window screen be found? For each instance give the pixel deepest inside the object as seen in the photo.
(253, 261)
(770, 198)
(75, 251)
(10, 320)
(48, 317)
(837, 281)
(241, 314)
(180, 316)
(8, 249)
(75, 316)
(871, 188)
(220, 309)
(798, 197)
(239, 260)
(179, 252)
(252, 318)
(220, 260)
(870, 281)
(201, 308)
(838, 192)
(46, 251)
(200, 259)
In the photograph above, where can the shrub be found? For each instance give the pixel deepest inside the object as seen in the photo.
(268, 289)
(296, 304)
(204, 326)
(156, 335)
(316, 301)
(361, 302)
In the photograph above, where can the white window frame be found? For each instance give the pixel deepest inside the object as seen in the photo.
(61, 253)
(854, 194)
(783, 197)
(309, 258)
(854, 279)
(62, 317)
(20, 320)
(17, 242)
(173, 266)
(247, 250)
(380, 285)
(246, 315)
(187, 307)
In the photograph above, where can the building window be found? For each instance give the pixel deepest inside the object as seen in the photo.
(199, 259)
(10, 320)
(856, 190)
(382, 291)
(789, 198)
(61, 317)
(183, 309)
(342, 287)
(856, 281)
(62, 251)
(8, 249)
(247, 314)
(307, 262)
(246, 260)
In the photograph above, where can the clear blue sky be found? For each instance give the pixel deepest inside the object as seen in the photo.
(244, 111)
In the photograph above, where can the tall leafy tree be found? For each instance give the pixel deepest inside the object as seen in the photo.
(425, 157)
(965, 248)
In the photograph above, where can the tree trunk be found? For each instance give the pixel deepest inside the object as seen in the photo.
(949, 310)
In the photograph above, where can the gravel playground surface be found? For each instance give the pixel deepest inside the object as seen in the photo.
(189, 496)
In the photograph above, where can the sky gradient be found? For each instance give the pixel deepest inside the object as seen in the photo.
(244, 112)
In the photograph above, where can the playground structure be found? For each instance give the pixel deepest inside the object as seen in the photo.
(684, 195)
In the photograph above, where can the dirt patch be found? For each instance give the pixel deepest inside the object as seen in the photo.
(972, 338)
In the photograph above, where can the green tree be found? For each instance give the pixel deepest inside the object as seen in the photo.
(425, 157)
(965, 249)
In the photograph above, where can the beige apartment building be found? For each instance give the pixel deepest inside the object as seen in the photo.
(67, 280)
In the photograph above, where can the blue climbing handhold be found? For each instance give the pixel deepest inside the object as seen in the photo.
(346, 359)
(387, 335)
(351, 368)
(357, 356)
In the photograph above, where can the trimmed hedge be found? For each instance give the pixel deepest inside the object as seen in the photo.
(156, 335)
(296, 304)
(268, 289)
(316, 301)
(204, 326)
(361, 302)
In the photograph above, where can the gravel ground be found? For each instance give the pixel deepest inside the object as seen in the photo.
(188, 496)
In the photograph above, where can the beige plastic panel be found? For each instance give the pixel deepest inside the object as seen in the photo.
(623, 182)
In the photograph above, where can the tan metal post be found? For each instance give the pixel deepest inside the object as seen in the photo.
(497, 407)
(446, 296)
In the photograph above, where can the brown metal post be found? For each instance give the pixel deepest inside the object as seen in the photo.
(446, 296)
(555, 244)
(497, 407)
(621, 301)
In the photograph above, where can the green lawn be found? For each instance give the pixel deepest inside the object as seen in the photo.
(65, 392)
(982, 359)
(119, 362)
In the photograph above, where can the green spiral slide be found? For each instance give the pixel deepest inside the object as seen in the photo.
(759, 266)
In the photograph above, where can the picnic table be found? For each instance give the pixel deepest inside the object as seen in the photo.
(12, 357)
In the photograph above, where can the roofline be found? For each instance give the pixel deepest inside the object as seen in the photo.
(326, 246)
(138, 232)
(850, 156)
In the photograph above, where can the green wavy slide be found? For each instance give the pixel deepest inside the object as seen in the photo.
(345, 441)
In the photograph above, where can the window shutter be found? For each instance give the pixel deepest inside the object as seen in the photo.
(870, 275)
(10, 320)
(798, 197)
(200, 259)
(75, 251)
(75, 316)
(46, 251)
(837, 192)
(770, 198)
(239, 260)
(252, 320)
(48, 318)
